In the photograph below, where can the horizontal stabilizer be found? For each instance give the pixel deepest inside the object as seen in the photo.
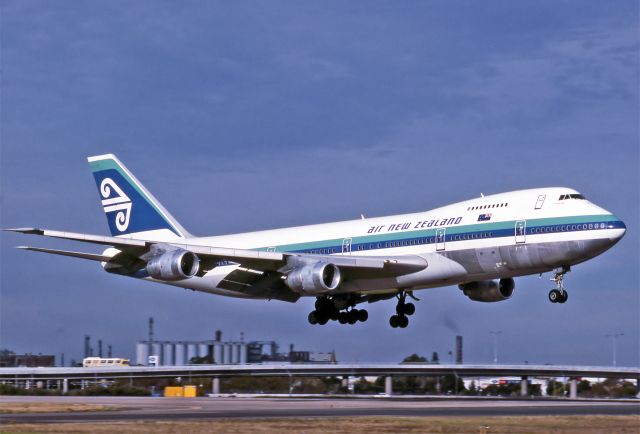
(90, 256)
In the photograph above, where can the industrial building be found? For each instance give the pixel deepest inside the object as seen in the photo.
(216, 351)
(177, 353)
(8, 359)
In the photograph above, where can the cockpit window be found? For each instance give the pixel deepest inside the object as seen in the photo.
(571, 196)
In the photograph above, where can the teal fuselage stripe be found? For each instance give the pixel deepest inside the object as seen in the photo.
(456, 233)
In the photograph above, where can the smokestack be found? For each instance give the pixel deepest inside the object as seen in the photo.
(150, 330)
(218, 335)
(87, 345)
(109, 347)
(62, 359)
(459, 349)
(100, 348)
(241, 336)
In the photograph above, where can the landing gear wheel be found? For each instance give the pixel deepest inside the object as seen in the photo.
(403, 308)
(363, 315)
(353, 317)
(555, 296)
(563, 297)
(409, 309)
(343, 317)
(312, 318)
(403, 321)
(394, 321)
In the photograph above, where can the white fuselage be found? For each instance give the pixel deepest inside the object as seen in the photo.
(502, 235)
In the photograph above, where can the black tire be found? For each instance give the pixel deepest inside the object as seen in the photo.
(363, 315)
(343, 317)
(399, 309)
(312, 318)
(323, 320)
(334, 315)
(393, 321)
(409, 309)
(564, 297)
(403, 321)
(353, 317)
(554, 296)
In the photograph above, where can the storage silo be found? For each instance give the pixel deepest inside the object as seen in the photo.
(203, 349)
(226, 354)
(243, 353)
(156, 350)
(192, 351)
(235, 352)
(167, 354)
(142, 353)
(217, 353)
(179, 354)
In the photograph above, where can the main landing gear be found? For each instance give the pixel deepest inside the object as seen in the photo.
(403, 310)
(559, 294)
(343, 311)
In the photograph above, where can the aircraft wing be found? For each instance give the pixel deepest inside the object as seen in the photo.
(135, 250)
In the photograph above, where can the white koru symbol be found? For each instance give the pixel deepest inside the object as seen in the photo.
(120, 202)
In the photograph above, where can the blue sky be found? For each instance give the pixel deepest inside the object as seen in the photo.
(252, 115)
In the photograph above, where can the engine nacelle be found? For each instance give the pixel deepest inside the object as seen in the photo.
(173, 265)
(489, 290)
(314, 278)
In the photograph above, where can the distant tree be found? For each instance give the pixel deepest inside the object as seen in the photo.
(473, 390)
(555, 388)
(414, 358)
(584, 388)
(452, 384)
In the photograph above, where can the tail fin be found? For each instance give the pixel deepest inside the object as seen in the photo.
(129, 207)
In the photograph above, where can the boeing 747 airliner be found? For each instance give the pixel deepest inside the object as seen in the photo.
(479, 244)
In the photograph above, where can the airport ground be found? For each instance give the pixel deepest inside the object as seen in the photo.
(270, 415)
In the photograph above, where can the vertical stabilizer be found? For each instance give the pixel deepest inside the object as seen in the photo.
(131, 210)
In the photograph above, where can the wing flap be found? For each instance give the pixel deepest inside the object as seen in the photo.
(86, 238)
(82, 255)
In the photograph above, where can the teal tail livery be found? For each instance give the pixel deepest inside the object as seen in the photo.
(130, 209)
(479, 245)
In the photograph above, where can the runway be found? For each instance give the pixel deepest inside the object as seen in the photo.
(147, 408)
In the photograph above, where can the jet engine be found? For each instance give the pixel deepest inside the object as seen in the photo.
(314, 278)
(489, 290)
(176, 264)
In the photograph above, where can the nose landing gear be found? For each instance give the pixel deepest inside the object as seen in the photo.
(559, 294)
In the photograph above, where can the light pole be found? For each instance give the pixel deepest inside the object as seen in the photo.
(614, 338)
(495, 345)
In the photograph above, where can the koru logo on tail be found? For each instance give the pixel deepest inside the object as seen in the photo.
(114, 199)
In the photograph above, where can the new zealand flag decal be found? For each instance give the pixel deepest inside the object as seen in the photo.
(484, 217)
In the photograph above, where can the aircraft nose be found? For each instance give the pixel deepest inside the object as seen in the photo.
(618, 229)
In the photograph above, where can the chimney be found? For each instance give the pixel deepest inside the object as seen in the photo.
(459, 349)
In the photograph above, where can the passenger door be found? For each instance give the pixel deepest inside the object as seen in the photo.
(540, 201)
(346, 246)
(440, 239)
(521, 231)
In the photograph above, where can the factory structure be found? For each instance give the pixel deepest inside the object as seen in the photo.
(153, 352)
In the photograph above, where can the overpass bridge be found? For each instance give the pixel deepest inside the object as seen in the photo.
(388, 370)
